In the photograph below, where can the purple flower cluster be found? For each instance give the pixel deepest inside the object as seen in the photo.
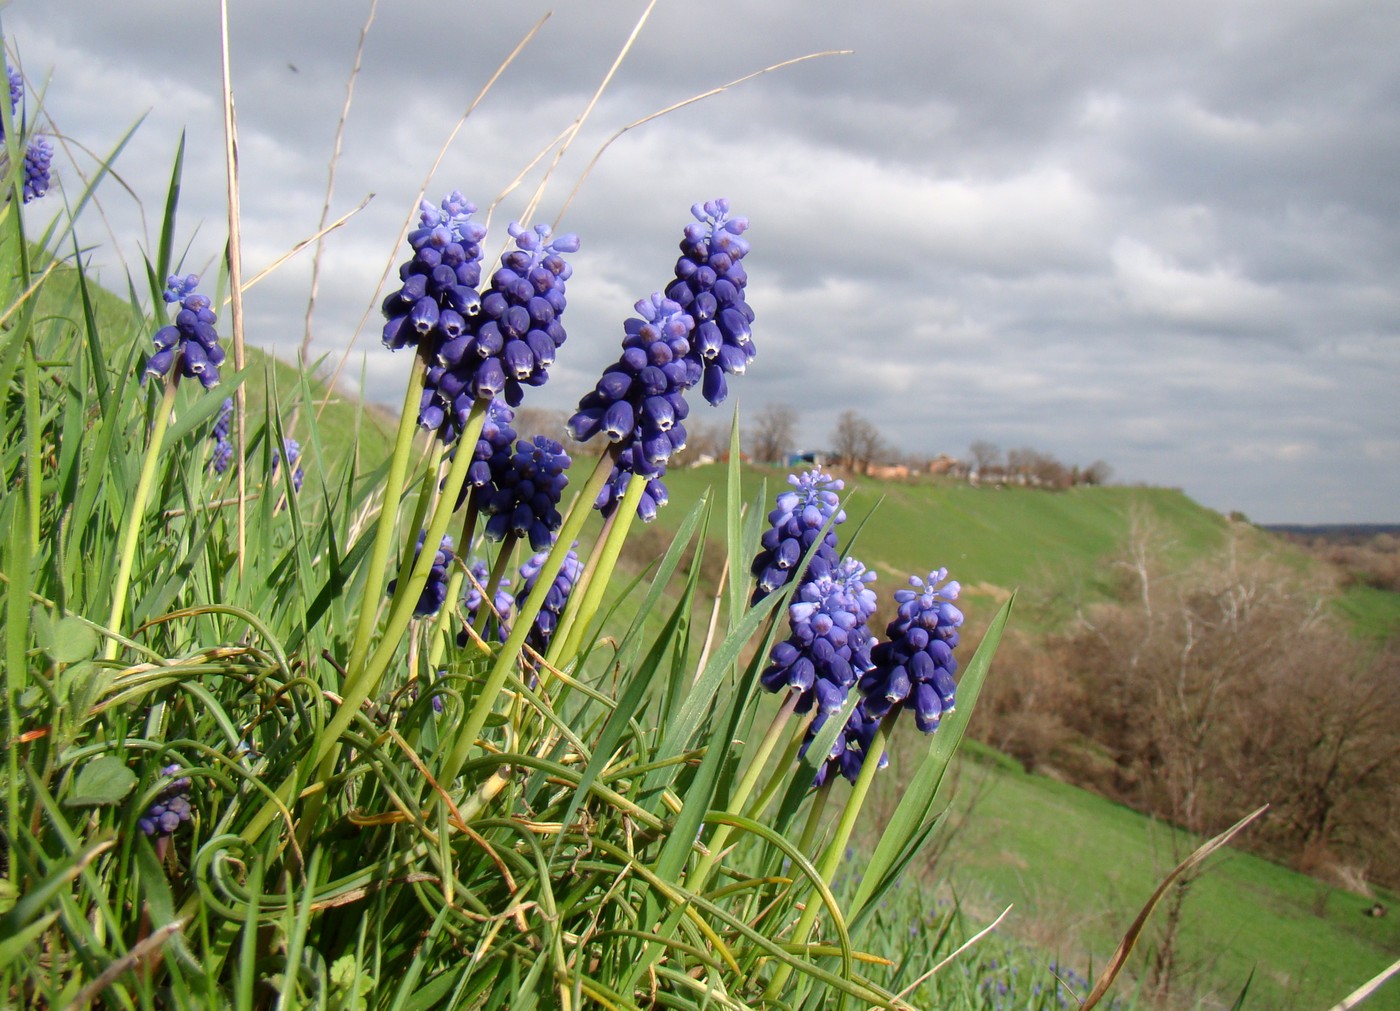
(190, 340)
(292, 450)
(37, 159)
(793, 528)
(438, 293)
(492, 454)
(916, 666)
(223, 447)
(639, 403)
(709, 285)
(853, 742)
(830, 645)
(555, 597)
(171, 807)
(434, 593)
(478, 346)
(16, 93)
(525, 499)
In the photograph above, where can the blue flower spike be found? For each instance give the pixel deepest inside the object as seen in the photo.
(191, 342)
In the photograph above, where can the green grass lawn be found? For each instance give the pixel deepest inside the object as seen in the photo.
(1078, 867)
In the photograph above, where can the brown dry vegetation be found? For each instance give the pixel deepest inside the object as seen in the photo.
(1195, 696)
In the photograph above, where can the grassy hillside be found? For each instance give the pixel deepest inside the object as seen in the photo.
(1078, 867)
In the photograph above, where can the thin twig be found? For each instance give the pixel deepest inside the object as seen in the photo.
(681, 105)
(408, 222)
(1369, 987)
(235, 279)
(330, 177)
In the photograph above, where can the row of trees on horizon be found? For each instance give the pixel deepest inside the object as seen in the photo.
(856, 444)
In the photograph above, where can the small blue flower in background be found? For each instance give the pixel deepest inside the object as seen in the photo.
(555, 597)
(709, 285)
(793, 528)
(916, 666)
(434, 593)
(16, 92)
(292, 450)
(503, 602)
(525, 499)
(191, 340)
(37, 159)
(170, 809)
(223, 448)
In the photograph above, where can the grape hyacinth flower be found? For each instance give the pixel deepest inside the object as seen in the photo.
(438, 293)
(639, 403)
(170, 809)
(793, 528)
(492, 454)
(191, 340)
(510, 341)
(709, 285)
(503, 602)
(525, 501)
(852, 744)
(37, 159)
(915, 667)
(223, 448)
(292, 450)
(434, 593)
(555, 597)
(830, 645)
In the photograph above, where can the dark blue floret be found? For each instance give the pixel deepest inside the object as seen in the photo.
(639, 403)
(441, 276)
(709, 285)
(852, 744)
(434, 593)
(491, 456)
(223, 448)
(503, 602)
(915, 668)
(830, 645)
(293, 454)
(555, 597)
(191, 340)
(37, 159)
(170, 809)
(525, 498)
(497, 344)
(794, 527)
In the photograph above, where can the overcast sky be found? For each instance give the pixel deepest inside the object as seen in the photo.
(1162, 235)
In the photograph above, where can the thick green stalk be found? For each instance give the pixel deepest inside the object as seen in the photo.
(493, 582)
(780, 771)
(831, 859)
(138, 509)
(388, 518)
(509, 654)
(611, 549)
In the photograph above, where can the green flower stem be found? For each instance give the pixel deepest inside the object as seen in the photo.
(441, 631)
(493, 583)
(407, 592)
(814, 815)
(362, 682)
(566, 619)
(780, 771)
(137, 511)
(598, 583)
(388, 518)
(831, 859)
(695, 882)
(427, 487)
(509, 654)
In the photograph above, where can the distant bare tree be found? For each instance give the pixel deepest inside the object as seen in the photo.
(1096, 473)
(986, 456)
(702, 441)
(773, 434)
(855, 441)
